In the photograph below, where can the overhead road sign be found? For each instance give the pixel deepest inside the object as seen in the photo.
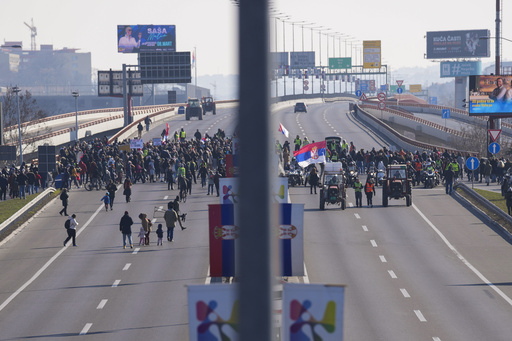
(494, 148)
(371, 54)
(495, 133)
(472, 163)
(340, 63)
(415, 88)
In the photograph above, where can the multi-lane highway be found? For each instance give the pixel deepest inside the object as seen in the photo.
(432, 271)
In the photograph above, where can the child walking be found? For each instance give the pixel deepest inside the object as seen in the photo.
(106, 200)
(159, 234)
(142, 236)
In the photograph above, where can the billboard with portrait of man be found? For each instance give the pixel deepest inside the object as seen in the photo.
(146, 38)
(490, 95)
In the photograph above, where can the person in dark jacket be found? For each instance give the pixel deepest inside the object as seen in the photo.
(125, 226)
(111, 188)
(3, 187)
(313, 180)
(64, 198)
(22, 181)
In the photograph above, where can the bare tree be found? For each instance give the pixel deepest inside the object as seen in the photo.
(475, 140)
(29, 112)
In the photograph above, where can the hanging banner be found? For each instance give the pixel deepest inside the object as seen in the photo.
(213, 312)
(224, 241)
(291, 240)
(312, 312)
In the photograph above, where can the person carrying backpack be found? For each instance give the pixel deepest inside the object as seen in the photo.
(70, 226)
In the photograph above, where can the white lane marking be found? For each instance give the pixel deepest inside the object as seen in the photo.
(102, 304)
(405, 293)
(365, 229)
(86, 328)
(44, 267)
(392, 274)
(383, 259)
(116, 283)
(374, 243)
(435, 338)
(350, 204)
(166, 197)
(137, 249)
(357, 216)
(420, 316)
(127, 266)
(154, 219)
(463, 260)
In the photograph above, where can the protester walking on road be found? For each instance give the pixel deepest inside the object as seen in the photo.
(159, 234)
(71, 230)
(111, 188)
(146, 224)
(170, 217)
(125, 226)
(127, 189)
(358, 186)
(64, 198)
(369, 189)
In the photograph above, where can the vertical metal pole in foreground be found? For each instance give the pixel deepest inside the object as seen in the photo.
(16, 89)
(255, 144)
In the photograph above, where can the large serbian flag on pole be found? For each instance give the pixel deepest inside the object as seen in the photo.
(224, 235)
(291, 240)
(311, 153)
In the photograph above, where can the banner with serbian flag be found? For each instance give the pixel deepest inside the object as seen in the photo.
(283, 130)
(311, 153)
(291, 240)
(224, 233)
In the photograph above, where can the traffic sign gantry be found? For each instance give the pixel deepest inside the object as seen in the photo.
(472, 163)
(494, 148)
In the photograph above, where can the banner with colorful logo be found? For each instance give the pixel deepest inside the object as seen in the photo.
(312, 312)
(213, 312)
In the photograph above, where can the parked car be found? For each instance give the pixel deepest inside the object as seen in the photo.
(300, 107)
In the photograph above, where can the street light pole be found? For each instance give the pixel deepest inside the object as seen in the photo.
(76, 94)
(16, 89)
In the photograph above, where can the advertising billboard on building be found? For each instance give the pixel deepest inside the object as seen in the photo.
(147, 38)
(490, 95)
(460, 69)
(458, 44)
(371, 54)
(302, 60)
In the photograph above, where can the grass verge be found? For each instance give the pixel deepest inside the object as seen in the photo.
(493, 197)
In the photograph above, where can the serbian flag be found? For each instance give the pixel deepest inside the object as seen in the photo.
(223, 234)
(291, 240)
(283, 130)
(311, 153)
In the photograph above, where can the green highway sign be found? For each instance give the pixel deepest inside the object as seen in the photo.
(340, 63)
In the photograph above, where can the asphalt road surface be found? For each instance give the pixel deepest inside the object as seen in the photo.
(432, 271)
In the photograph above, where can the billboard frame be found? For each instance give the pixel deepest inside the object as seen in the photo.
(452, 44)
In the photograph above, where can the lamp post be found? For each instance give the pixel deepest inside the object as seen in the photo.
(16, 89)
(76, 95)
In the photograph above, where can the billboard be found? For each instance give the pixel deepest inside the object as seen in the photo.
(302, 60)
(137, 38)
(460, 69)
(490, 95)
(371, 54)
(458, 44)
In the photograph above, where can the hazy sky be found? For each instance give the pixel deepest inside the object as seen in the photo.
(211, 26)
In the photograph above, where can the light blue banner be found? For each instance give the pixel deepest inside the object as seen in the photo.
(460, 69)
